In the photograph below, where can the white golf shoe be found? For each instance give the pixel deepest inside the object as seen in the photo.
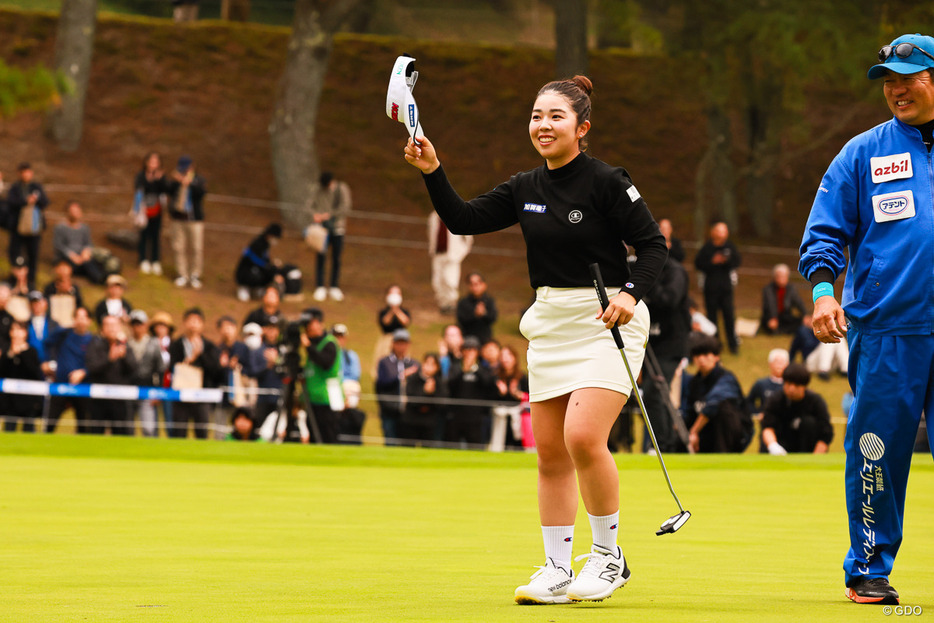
(603, 573)
(320, 294)
(548, 585)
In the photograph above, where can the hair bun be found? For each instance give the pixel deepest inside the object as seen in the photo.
(584, 83)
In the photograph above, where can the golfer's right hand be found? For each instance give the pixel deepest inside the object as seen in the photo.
(423, 157)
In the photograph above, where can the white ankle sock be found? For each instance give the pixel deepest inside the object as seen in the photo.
(558, 544)
(604, 530)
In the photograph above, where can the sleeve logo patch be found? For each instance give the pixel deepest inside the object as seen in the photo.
(575, 216)
(534, 207)
(893, 206)
(634, 195)
(887, 168)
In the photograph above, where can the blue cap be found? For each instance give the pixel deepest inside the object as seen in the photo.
(918, 61)
(184, 163)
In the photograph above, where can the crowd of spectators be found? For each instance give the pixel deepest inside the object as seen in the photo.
(298, 380)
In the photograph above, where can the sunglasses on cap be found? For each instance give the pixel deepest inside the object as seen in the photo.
(902, 50)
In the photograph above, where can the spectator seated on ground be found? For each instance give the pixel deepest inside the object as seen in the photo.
(797, 419)
(71, 241)
(782, 307)
(256, 268)
(763, 388)
(716, 412)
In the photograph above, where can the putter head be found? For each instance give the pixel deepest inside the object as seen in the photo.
(674, 523)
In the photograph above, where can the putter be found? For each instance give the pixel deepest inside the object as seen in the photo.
(673, 523)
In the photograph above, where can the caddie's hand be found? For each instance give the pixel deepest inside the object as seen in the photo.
(423, 157)
(693, 441)
(829, 321)
(621, 309)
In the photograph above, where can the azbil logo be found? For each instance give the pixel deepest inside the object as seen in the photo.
(893, 168)
(894, 205)
(888, 168)
(395, 112)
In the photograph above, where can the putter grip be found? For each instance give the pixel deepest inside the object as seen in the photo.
(597, 279)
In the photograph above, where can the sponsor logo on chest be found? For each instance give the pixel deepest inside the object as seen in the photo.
(893, 206)
(538, 208)
(887, 168)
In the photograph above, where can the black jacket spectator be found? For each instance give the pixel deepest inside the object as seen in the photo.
(798, 425)
(470, 422)
(479, 325)
(110, 362)
(21, 365)
(424, 418)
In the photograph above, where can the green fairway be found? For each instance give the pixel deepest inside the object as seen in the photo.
(111, 529)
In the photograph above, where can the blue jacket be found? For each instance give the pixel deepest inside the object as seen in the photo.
(877, 198)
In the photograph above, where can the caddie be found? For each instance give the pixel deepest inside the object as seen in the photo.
(877, 201)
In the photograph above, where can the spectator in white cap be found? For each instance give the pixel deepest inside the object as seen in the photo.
(40, 325)
(350, 360)
(114, 304)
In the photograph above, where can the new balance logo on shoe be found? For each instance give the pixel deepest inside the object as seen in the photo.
(559, 585)
(610, 573)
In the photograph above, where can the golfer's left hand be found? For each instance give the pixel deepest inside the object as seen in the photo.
(621, 309)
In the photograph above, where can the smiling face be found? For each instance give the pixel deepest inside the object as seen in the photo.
(910, 97)
(554, 130)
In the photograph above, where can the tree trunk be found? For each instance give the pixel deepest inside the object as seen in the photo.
(715, 180)
(292, 131)
(759, 178)
(235, 10)
(570, 38)
(74, 47)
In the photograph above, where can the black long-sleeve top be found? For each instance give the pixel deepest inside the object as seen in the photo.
(571, 217)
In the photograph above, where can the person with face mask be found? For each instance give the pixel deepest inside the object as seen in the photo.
(256, 268)
(391, 318)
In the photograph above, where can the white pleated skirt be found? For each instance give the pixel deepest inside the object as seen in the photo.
(569, 348)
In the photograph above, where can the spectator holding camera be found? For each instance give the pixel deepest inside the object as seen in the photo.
(322, 374)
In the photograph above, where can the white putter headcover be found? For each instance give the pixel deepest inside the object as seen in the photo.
(400, 103)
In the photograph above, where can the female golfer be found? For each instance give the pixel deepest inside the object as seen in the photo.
(574, 210)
